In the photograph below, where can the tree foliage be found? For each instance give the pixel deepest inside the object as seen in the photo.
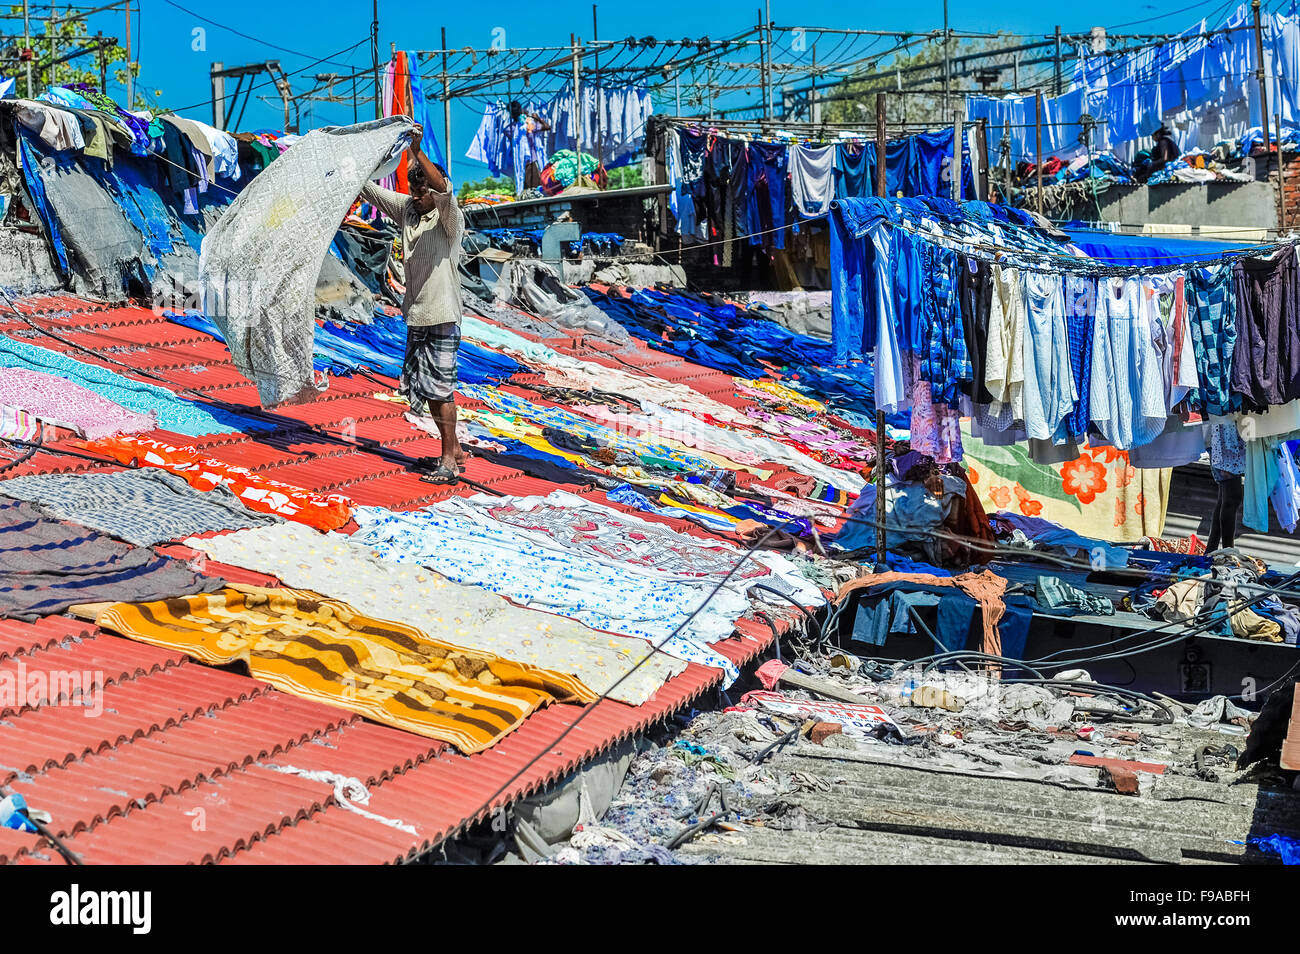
(52, 44)
(854, 100)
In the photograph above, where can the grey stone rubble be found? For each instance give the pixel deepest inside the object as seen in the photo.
(990, 783)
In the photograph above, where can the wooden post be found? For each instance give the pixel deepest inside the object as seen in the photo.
(577, 107)
(956, 159)
(1006, 134)
(882, 150)
(1259, 74)
(1281, 176)
(1038, 145)
(446, 104)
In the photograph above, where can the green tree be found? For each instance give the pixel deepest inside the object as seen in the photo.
(626, 177)
(854, 100)
(63, 51)
(505, 185)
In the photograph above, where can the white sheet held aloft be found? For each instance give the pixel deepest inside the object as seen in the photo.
(259, 263)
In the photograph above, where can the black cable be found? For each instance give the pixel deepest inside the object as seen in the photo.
(69, 855)
(812, 620)
(780, 743)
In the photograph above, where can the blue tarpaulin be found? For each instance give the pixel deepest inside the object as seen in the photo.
(1137, 250)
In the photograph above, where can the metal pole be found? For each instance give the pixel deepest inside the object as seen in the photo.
(446, 104)
(599, 137)
(218, 95)
(1006, 138)
(103, 64)
(814, 108)
(770, 79)
(982, 137)
(1281, 176)
(1038, 145)
(882, 150)
(763, 59)
(947, 63)
(577, 107)
(355, 118)
(677, 89)
(1056, 83)
(374, 61)
(1015, 72)
(956, 159)
(130, 67)
(27, 44)
(1259, 73)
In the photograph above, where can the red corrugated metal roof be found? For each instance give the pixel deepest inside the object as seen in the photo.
(187, 763)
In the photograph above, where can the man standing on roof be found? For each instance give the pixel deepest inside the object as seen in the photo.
(432, 225)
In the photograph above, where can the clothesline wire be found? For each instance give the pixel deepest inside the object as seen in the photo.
(249, 36)
(1087, 265)
(273, 82)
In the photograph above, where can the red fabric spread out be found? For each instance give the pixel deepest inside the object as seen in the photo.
(322, 511)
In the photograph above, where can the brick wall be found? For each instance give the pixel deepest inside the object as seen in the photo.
(1291, 188)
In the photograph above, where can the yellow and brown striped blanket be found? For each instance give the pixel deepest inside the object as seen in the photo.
(322, 649)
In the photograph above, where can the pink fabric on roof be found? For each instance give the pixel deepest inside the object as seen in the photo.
(60, 402)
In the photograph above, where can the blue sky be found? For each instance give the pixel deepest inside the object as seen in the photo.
(175, 58)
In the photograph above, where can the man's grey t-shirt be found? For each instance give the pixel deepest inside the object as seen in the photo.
(431, 254)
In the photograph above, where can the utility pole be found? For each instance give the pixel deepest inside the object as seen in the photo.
(1056, 59)
(1038, 145)
(374, 61)
(103, 63)
(446, 102)
(771, 79)
(764, 61)
(882, 183)
(27, 46)
(947, 59)
(130, 67)
(677, 91)
(1259, 74)
(814, 108)
(957, 133)
(577, 106)
(218, 95)
(599, 139)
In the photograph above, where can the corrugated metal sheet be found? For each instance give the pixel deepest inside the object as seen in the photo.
(189, 764)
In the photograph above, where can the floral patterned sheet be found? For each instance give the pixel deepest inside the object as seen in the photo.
(1099, 495)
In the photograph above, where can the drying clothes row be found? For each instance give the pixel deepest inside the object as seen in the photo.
(462, 541)
(612, 119)
(344, 569)
(1207, 85)
(508, 145)
(255, 491)
(47, 565)
(325, 650)
(142, 507)
(732, 189)
(1059, 356)
(149, 400)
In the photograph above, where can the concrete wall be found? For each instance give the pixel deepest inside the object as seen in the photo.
(1227, 204)
(618, 210)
